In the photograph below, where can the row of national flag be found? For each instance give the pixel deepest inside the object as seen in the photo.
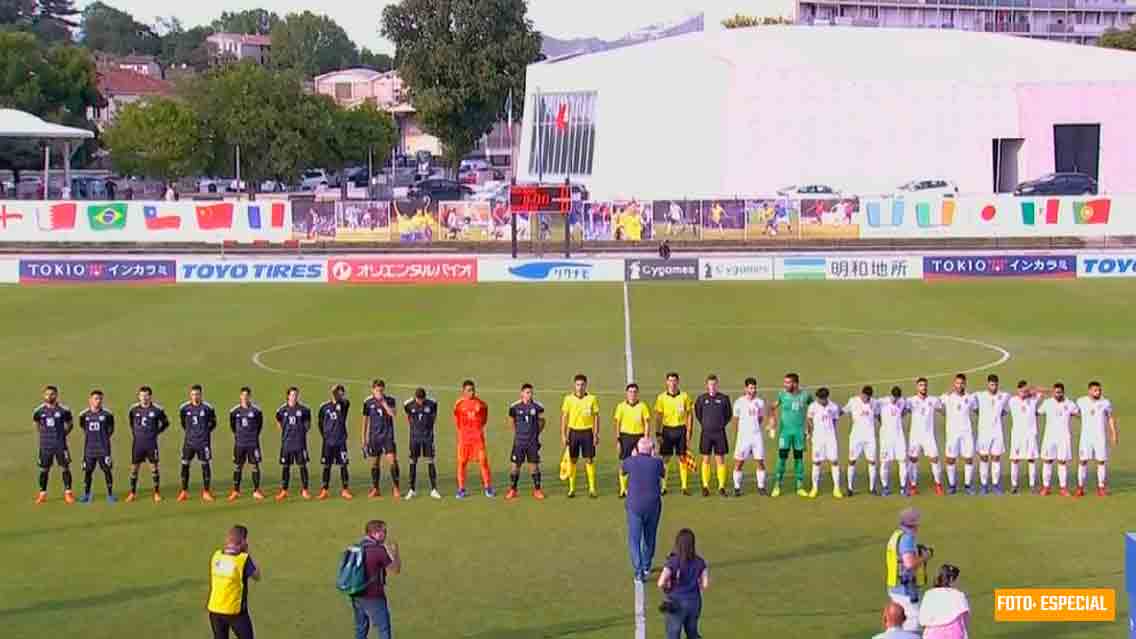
(945, 212)
(113, 216)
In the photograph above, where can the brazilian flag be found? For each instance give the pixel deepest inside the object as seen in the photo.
(107, 217)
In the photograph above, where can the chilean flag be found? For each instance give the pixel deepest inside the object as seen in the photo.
(276, 220)
(155, 222)
(212, 217)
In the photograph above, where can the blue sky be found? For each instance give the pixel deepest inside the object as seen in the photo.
(561, 18)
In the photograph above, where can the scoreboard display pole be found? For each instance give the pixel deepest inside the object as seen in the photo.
(543, 199)
(567, 220)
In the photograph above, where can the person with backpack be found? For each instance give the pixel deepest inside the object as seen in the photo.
(363, 577)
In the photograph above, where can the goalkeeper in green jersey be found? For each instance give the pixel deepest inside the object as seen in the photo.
(788, 417)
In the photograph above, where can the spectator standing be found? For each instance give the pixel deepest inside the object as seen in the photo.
(945, 613)
(644, 505)
(380, 558)
(229, 572)
(685, 575)
(893, 619)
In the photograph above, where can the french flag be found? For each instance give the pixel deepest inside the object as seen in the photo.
(276, 216)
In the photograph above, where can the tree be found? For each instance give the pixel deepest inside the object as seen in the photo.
(160, 138)
(1116, 39)
(250, 21)
(380, 62)
(182, 46)
(740, 21)
(116, 32)
(50, 20)
(460, 59)
(354, 135)
(311, 45)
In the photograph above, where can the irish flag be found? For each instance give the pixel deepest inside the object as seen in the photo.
(1092, 211)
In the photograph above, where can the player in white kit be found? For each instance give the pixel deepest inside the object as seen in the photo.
(921, 439)
(1056, 444)
(820, 422)
(958, 406)
(1096, 412)
(893, 445)
(749, 411)
(1023, 434)
(991, 442)
(862, 438)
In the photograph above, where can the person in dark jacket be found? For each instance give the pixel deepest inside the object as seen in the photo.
(380, 558)
(685, 575)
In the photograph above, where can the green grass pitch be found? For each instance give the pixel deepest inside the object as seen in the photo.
(526, 570)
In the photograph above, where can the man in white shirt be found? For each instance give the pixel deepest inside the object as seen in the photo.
(893, 446)
(1096, 413)
(958, 406)
(862, 440)
(1023, 433)
(921, 439)
(820, 422)
(992, 404)
(749, 411)
(1056, 443)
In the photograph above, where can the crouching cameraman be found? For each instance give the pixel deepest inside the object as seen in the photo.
(684, 577)
(903, 558)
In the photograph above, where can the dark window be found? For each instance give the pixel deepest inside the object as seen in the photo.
(1076, 148)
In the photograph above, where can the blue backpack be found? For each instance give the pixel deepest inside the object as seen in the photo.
(351, 579)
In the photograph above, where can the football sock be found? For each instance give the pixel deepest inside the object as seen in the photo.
(325, 477)
(377, 476)
(413, 474)
(304, 483)
(779, 469)
(913, 472)
(984, 472)
(256, 477)
(816, 475)
(133, 481)
(237, 472)
(1046, 475)
(666, 472)
(683, 474)
(206, 476)
(590, 471)
(761, 478)
(721, 477)
(432, 470)
(66, 478)
(487, 474)
(1102, 474)
(885, 471)
(43, 480)
(799, 467)
(851, 476)
(937, 473)
(394, 475)
(1063, 475)
(968, 473)
(1082, 473)
(109, 477)
(157, 477)
(87, 473)
(902, 472)
(535, 479)
(571, 476)
(952, 474)
(285, 477)
(345, 475)
(622, 484)
(1032, 473)
(996, 472)
(1014, 473)
(738, 479)
(515, 476)
(185, 476)
(835, 476)
(872, 476)
(705, 473)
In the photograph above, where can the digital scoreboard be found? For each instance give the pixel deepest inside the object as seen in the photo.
(540, 198)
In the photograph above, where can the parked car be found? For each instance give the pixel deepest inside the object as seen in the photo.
(440, 189)
(809, 190)
(1059, 184)
(314, 180)
(944, 188)
(356, 176)
(494, 191)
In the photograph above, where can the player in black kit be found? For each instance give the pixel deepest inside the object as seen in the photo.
(421, 413)
(198, 419)
(377, 434)
(246, 422)
(333, 429)
(526, 417)
(147, 421)
(294, 421)
(53, 423)
(98, 427)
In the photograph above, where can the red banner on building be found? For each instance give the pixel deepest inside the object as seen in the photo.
(457, 270)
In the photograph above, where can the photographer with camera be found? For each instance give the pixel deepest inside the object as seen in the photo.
(903, 558)
(685, 575)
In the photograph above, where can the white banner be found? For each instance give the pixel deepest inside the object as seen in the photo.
(9, 271)
(1106, 265)
(735, 268)
(267, 271)
(871, 267)
(139, 221)
(566, 270)
(911, 216)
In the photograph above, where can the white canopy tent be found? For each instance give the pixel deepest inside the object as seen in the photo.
(20, 124)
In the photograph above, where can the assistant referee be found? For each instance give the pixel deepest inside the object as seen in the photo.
(632, 423)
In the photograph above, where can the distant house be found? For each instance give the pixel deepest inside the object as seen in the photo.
(240, 46)
(353, 87)
(141, 64)
(120, 87)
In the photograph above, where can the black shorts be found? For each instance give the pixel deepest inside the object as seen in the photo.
(202, 453)
(246, 455)
(525, 451)
(240, 624)
(89, 463)
(382, 446)
(334, 454)
(422, 448)
(581, 443)
(148, 455)
(298, 457)
(713, 443)
(48, 457)
(672, 441)
(627, 444)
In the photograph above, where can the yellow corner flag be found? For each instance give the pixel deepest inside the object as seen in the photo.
(688, 460)
(565, 461)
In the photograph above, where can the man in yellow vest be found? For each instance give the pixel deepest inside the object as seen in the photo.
(902, 558)
(229, 572)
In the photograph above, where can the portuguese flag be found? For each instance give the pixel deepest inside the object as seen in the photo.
(1092, 211)
(107, 217)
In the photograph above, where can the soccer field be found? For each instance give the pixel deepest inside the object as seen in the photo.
(488, 569)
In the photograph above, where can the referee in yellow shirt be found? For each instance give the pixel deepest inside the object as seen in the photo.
(580, 432)
(632, 423)
(674, 415)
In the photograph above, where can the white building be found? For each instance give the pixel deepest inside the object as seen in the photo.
(240, 46)
(744, 112)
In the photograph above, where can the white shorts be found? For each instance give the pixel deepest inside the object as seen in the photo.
(1023, 446)
(1056, 447)
(750, 446)
(959, 444)
(1093, 448)
(991, 442)
(922, 442)
(862, 443)
(892, 447)
(824, 449)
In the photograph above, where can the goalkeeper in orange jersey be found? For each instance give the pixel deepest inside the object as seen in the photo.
(470, 417)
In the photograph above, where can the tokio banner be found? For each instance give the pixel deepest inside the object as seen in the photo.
(102, 271)
(402, 270)
(142, 222)
(984, 216)
(945, 267)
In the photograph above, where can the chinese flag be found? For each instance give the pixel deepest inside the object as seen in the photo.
(212, 217)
